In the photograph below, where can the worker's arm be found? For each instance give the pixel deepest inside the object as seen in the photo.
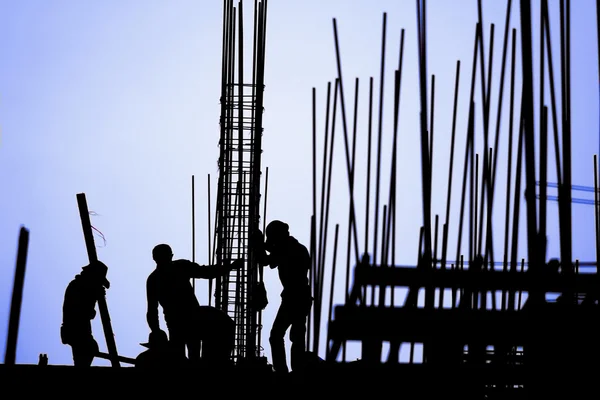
(197, 271)
(257, 242)
(152, 314)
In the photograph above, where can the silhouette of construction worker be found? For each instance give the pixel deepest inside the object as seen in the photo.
(292, 260)
(79, 305)
(159, 353)
(188, 323)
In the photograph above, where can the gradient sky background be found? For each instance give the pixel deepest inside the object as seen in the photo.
(120, 100)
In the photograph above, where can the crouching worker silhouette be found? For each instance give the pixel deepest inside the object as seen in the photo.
(292, 260)
(160, 353)
(79, 308)
(188, 323)
(217, 336)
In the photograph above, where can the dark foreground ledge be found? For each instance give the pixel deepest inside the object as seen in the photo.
(403, 380)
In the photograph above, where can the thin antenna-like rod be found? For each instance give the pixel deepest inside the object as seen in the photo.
(240, 97)
(425, 171)
(350, 214)
(260, 270)
(323, 249)
(548, 41)
(475, 183)
(240, 274)
(462, 268)
(484, 97)
(472, 198)
(528, 135)
(467, 157)
(489, 250)
(216, 230)
(216, 256)
(328, 192)
(596, 213)
(516, 208)
(520, 291)
(486, 187)
(17, 298)
(435, 239)
(260, 64)
(431, 122)
(392, 222)
(379, 140)
(311, 276)
(313, 251)
(543, 144)
(314, 149)
(320, 247)
(384, 230)
(598, 58)
(565, 226)
(435, 253)
(509, 162)
(501, 95)
(470, 140)
(450, 167)
(543, 181)
(265, 202)
(264, 36)
(330, 307)
(485, 92)
(349, 167)
(210, 250)
(254, 55)
(453, 291)
(497, 136)
(389, 224)
(193, 231)
(393, 169)
(392, 304)
(368, 191)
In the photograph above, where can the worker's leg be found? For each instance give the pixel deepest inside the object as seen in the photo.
(84, 351)
(282, 322)
(298, 334)
(177, 341)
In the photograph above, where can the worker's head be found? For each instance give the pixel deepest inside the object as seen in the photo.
(97, 271)
(277, 232)
(162, 253)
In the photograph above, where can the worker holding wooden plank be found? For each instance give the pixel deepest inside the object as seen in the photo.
(79, 308)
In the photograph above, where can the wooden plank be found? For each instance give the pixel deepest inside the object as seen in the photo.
(107, 356)
(93, 256)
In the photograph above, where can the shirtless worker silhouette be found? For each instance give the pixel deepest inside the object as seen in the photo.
(200, 329)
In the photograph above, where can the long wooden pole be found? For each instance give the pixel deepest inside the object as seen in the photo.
(92, 256)
(17, 297)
